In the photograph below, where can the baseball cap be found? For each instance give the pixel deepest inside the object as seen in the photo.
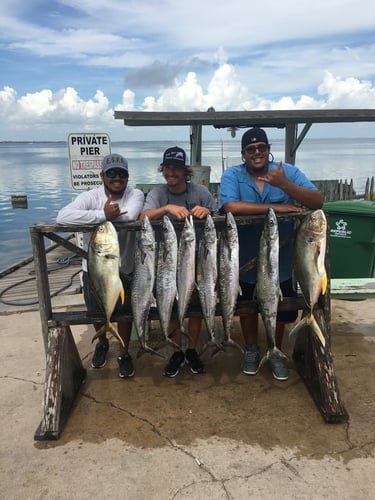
(114, 160)
(253, 135)
(174, 156)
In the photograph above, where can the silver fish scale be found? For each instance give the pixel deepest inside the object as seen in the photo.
(207, 275)
(185, 269)
(228, 272)
(268, 286)
(166, 276)
(143, 278)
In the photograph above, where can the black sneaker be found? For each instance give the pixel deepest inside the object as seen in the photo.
(100, 354)
(174, 364)
(192, 359)
(125, 366)
(251, 360)
(279, 368)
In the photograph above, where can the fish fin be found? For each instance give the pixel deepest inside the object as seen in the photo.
(122, 296)
(308, 321)
(297, 327)
(316, 329)
(232, 343)
(324, 284)
(145, 348)
(111, 328)
(170, 342)
(102, 330)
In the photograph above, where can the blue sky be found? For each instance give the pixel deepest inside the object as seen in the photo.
(65, 66)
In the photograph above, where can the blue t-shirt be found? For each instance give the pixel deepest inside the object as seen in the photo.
(238, 185)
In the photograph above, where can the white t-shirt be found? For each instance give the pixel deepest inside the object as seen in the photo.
(88, 208)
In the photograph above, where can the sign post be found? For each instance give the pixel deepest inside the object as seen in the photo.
(86, 152)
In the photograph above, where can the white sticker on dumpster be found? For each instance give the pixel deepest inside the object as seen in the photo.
(341, 230)
(86, 152)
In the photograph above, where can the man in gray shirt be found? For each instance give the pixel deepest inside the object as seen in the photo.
(179, 198)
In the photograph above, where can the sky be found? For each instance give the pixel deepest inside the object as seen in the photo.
(65, 66)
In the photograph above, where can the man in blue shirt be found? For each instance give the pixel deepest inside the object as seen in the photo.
(251, 188)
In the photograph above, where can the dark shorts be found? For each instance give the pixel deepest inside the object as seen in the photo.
(93, 305)
(287, 291)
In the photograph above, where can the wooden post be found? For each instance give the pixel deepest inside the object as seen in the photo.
(315, 366)
(64, 377)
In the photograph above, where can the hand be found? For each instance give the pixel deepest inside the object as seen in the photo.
(200, 212)
(112, 210)
(179, 212)
(276, 177)
(283, 208)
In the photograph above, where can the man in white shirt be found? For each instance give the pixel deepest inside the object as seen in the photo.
(113, 201)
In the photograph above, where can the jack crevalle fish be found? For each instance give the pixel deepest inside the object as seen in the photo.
(267, 290)
(207, 276)
(166, 276)
(228, 272)
(185, 269)
(103, 264)
(309, 268)
(143, 280)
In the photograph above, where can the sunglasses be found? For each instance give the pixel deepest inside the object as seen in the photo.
(116, 172)
(262, 148)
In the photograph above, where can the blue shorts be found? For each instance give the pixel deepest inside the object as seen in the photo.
(287, 291)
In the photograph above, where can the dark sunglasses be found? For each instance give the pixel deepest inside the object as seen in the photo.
(116, 172)
(262, 148)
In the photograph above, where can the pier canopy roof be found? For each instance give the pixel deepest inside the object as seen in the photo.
(287, 119)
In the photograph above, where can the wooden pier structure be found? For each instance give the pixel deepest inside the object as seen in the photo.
(65, 372)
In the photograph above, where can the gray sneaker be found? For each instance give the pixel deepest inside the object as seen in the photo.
(279, 368)
(251, 360)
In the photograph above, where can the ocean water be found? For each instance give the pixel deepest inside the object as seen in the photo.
(41, 171)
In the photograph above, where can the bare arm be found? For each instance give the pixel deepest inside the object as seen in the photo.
(157, 213)
(249, 208)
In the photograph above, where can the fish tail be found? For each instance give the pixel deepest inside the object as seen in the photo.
(102, 330)
(170, 342)
(232, 343)
(309, 321)
(145, 348)
(316, 329)
(114, 332)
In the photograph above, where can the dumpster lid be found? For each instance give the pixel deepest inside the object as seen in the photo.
(360, 207)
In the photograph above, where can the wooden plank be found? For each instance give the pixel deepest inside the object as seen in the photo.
(353, 288)
(315, 366)
(64, 377)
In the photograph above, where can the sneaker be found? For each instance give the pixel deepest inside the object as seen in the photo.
(125, 366)
(100, 354)
(279, 368)
(251, 360)
(174, 364)
(192, 359)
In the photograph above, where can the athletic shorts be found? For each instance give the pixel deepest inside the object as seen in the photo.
(287, 291)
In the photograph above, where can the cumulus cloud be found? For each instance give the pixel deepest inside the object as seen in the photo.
(50, 111)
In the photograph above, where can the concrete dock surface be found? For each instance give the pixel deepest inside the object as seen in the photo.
(220, 435)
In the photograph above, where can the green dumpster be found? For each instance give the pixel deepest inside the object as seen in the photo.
(351, 238)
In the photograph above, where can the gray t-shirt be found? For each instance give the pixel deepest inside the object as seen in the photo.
(195, 194)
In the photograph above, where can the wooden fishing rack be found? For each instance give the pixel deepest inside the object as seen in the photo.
(65, 372)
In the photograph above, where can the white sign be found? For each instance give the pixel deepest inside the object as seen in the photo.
(86, 152)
